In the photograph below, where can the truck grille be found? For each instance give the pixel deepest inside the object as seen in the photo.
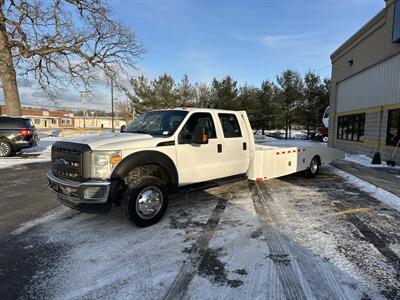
(69, 160)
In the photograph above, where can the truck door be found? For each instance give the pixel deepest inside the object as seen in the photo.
(198, 162)
(235, 147)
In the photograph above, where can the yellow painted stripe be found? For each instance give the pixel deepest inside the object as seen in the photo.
(359, 209)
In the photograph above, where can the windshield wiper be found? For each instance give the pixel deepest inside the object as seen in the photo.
(139, 131)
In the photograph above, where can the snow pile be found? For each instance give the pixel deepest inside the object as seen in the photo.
(374, 191)
(365, 161)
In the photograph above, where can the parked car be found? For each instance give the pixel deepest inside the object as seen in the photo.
(15, 134)
(166, 149)
(321, 135)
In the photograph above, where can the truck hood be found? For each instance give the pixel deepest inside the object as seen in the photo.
(119, 141)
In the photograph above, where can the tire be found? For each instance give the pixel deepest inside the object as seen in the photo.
(313, 169)
(5, 149)
(147, 188)
(325, 139)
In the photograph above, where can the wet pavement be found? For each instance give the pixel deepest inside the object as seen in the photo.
(287, 238)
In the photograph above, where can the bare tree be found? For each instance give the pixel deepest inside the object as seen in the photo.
(60, 42)
(125, 108)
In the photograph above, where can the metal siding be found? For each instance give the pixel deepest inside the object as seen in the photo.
(378, 85)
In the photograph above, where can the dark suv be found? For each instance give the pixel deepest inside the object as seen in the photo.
(16, 134)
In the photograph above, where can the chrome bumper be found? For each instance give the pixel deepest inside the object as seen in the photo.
(79, 192)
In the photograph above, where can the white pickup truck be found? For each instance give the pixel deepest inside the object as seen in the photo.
(163, 150)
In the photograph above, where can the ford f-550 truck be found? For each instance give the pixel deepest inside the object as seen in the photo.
(163, 150)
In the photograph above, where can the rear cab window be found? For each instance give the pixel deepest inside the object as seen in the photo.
(230, 125)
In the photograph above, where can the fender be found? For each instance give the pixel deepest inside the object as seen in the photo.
(144, 158)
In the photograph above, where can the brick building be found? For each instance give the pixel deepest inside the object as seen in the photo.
(45, 118)
(365, 95)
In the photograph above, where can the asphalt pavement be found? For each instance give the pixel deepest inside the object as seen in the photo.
(24, 194)
(287, 238)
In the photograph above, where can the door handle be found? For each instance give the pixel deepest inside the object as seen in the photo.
(244, 146)
(219, 148)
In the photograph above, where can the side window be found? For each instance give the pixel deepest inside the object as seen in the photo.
(197, 120)
(230, 125)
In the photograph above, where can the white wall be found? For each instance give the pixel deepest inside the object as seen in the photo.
(378, 85)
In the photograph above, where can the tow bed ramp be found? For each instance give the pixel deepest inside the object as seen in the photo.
(275, 160)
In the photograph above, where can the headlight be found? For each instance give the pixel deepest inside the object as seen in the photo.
(103, 162)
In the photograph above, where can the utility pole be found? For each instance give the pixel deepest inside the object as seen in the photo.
(112, 102)
(84, 96)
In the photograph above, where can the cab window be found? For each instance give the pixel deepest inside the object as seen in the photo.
(230, 125)
(196, 120)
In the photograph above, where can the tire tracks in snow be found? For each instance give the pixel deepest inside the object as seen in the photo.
(323, 282)
(182, 280)
(292, 284)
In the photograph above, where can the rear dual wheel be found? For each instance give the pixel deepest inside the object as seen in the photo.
(313, 169)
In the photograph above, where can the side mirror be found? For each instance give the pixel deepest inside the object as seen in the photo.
(123, 128)
(200, 136)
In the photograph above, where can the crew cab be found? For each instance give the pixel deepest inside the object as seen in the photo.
(163, 150)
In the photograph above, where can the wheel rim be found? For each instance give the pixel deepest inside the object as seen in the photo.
(314, 166)
(325, 139)
(149, 202)
(4, 149)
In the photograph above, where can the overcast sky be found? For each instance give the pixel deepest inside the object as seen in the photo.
(249, 40)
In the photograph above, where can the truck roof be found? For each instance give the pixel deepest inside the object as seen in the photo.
(202, 109)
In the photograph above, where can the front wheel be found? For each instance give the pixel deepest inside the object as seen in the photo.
(145, 201)
(5, 149)
(325, 139)
(313, 169)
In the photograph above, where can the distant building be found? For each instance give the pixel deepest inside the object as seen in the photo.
(98, 122)
(42, 118)
(365, 94)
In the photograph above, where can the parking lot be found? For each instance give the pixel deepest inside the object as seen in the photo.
(287, 238)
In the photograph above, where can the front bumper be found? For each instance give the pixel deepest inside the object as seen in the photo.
(76, 193)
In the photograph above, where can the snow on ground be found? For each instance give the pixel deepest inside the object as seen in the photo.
(263, 138)
(40, 153)
(294, 134)
(365, 161)
(374, 191)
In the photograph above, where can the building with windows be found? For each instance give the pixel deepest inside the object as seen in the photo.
(98, 122)
(42, 118)
(365, 96)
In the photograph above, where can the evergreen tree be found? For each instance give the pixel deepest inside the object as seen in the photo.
(290, 94)
(224, 93)
(186, 92)
(249, 100)
(267, 110)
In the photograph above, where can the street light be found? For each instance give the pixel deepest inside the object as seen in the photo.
(112, 77)
(84, 98)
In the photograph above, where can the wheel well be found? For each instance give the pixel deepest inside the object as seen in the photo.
(144, 163)
(119, 185)
(318, 158)
(147, 170)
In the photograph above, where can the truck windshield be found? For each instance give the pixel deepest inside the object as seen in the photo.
(163, 123)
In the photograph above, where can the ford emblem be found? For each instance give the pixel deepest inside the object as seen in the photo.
(61, 162)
